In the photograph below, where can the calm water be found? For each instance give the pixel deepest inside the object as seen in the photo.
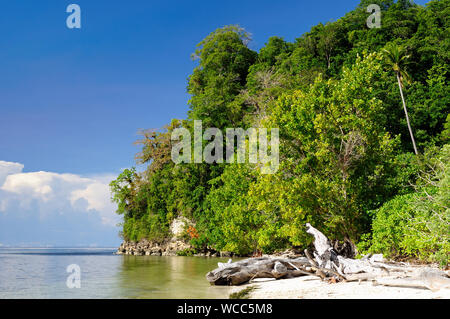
(41, 273)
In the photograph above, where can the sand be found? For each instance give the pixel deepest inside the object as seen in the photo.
(309, 287)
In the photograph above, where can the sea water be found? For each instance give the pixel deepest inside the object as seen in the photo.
(42, 273)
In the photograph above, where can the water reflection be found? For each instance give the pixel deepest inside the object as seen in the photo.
(168, 277)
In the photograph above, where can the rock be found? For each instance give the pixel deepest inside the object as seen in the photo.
(166, 248)
(225, 254)
(178, 226)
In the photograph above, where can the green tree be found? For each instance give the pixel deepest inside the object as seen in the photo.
(445, 135)
(224, 60)
(334, 149)
(417, 224)
(340, 131)
(396, 58)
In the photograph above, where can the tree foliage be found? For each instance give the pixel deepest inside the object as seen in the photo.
(346, 161)
(417, 224)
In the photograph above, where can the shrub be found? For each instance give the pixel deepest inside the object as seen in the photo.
(416, 224)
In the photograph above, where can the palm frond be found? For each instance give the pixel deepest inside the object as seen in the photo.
(396, 58)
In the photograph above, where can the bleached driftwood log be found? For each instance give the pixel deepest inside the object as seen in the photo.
(328, 265)
(263, 267)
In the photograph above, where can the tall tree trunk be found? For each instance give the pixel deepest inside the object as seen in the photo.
(406, 113)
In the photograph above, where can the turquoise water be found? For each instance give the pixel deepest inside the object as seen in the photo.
(41, 273)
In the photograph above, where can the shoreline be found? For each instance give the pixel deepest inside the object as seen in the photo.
(303, 287)
(169, 247)
(309, 287)
(312, 287)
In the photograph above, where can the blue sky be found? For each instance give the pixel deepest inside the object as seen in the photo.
(73, 100)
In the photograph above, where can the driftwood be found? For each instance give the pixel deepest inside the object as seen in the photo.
(262, 267)
(326, 263)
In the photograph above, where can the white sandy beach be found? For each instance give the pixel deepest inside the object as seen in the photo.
(308, 287)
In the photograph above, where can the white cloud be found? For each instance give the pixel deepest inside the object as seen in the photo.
(97, 196)
(36, 184)
(7, 168)
(48, 192)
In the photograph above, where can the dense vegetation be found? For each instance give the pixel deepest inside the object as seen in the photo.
(347, 160)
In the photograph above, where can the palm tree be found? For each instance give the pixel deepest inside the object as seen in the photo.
(396, 58)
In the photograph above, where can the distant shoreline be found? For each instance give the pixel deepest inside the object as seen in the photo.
(37, 247)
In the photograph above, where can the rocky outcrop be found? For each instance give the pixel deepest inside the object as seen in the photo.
(172, 247)
(152, 248)
(168, 247)
(178, 226)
